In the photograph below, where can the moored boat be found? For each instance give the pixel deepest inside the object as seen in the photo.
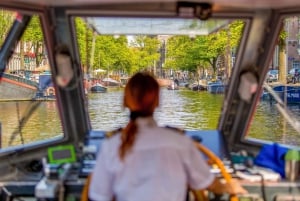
(288, 93)
(46, 90)
(216, 87)
(98, 88)
(198, 86)
(109, 82)
(173, 86)
(17, 88)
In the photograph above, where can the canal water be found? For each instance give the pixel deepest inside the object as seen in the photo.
(194, 111)
(180, 108)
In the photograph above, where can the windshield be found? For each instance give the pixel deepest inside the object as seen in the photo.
(191, 59)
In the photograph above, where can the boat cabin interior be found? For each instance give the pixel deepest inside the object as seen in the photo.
(244, 55)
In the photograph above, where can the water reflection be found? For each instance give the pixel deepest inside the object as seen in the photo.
(43, 124)
(190, 110)
(106, 110)
(269, 124)
(183, 108)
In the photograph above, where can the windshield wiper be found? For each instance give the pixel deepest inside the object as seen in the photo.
(22, 121)
(26, 116)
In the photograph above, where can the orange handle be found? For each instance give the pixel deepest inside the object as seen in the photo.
(219, 163)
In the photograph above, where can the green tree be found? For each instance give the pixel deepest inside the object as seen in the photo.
(146, 49)
(176, 57)
(190, 54)
(202, 52)
(123, 55)
(112, 53)
(34, 39)
(84, 41)
(6, 20)
(109, 52)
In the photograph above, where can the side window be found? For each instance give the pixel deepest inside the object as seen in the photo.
(28, 110)
(277, 117)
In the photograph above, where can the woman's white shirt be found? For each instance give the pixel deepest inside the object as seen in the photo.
(160, 166)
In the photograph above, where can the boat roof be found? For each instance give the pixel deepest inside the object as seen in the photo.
(248, 4)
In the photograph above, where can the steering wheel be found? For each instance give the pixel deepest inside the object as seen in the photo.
(201, 195)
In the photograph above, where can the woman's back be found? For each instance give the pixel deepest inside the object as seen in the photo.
(158, 167)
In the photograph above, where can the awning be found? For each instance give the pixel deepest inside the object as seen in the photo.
(99, 71)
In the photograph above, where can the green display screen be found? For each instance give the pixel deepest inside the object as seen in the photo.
(61, 154)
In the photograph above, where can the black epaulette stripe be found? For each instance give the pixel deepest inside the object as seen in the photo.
(181, 131)
(112, 133)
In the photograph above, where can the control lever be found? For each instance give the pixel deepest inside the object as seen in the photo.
(52, 184)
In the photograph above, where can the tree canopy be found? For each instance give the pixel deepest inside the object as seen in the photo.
(202, 52)
(129, 54)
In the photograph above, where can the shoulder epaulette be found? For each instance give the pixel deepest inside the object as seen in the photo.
(179, 130)
(109, 134)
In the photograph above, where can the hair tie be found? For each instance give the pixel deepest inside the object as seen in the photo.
(135, 114)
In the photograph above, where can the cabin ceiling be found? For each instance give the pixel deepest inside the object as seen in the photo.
(248, 4)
